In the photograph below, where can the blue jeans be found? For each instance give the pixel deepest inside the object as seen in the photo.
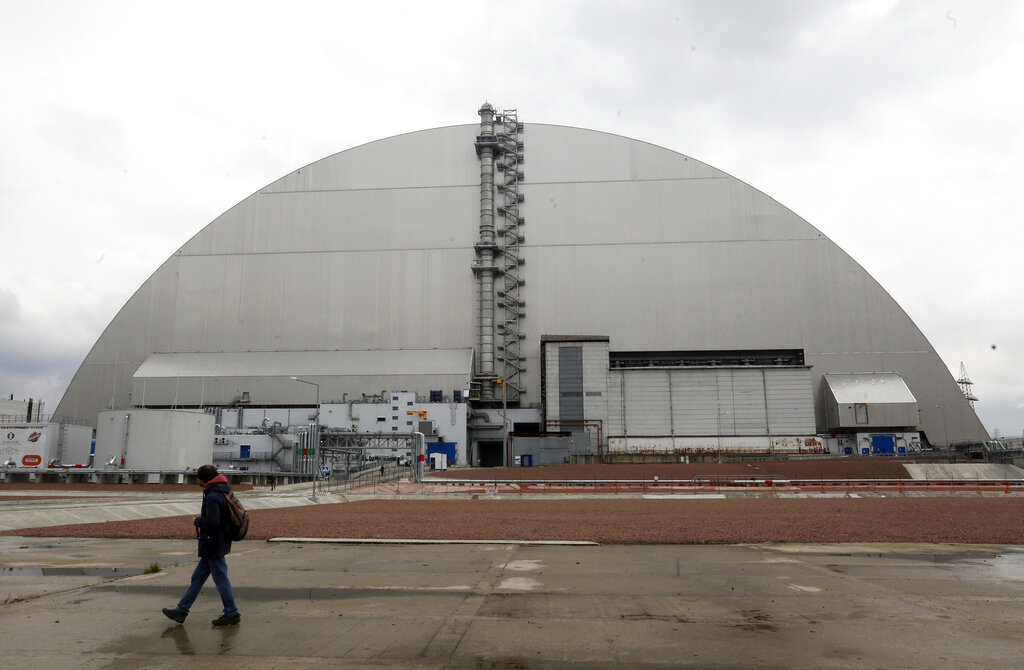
(217, 567)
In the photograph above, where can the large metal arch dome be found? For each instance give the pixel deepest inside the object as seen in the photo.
(371, 248)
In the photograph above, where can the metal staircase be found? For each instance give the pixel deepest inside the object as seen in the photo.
(510, 236)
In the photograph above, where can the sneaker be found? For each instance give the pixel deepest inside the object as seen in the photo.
(175, 614)
(226, 620)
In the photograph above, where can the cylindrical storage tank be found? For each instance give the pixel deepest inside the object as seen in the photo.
(154, 439)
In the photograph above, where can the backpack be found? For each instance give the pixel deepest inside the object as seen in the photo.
(238, 518)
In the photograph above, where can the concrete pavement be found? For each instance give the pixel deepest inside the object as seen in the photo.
(308, 605)
(73, 507)
(87, 603)
(980, 471)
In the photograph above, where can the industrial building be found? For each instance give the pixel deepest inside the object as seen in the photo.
(520, 293)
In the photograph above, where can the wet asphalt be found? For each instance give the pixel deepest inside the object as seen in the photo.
(79, 603)
(88, 603)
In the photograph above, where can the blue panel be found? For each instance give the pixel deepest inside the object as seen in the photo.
(243, 451)
(883, 444)
(447, 448)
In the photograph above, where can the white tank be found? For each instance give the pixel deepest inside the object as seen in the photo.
(34, 445)
(154, 439)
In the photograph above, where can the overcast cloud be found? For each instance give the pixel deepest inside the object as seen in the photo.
(893, 127)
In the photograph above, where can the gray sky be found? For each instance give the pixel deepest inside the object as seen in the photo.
(893, 127)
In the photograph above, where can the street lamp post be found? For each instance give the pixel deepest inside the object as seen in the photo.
(316, 417)
(303, 381)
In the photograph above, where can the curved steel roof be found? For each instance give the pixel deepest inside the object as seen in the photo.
(371, 248)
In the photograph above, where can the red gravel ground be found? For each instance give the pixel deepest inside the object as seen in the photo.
(946, 519)
(971, 520)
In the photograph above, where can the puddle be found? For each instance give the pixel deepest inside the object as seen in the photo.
(804, 589)
(519, 584)
(923, 556)
(76, 571)
(1009, 565)
(524, 565)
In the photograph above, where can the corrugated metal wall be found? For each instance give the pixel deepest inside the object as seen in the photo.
(790, 402)
(710, 401)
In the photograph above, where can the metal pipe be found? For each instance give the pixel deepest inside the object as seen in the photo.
(622, 395)
(314, 443)
(124, 447)
(671, 411)
(767, 418)
(486, 249)
(55, 463)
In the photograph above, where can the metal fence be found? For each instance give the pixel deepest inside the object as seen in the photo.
(342, 479)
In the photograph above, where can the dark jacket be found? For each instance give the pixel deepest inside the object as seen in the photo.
(212, 522)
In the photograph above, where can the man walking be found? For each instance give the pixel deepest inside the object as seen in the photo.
(214, 544)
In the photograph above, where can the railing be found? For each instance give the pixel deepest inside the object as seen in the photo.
(728, 483)
(45, 418)
(368, 475)
(235, 456)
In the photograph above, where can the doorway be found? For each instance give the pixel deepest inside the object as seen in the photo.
(491, 453)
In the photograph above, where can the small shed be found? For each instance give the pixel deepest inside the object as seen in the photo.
(869, 400)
